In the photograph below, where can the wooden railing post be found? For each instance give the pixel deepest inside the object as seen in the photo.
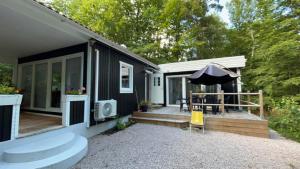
(249, 108)
(191, 101)
(222, 101)
(261, 104)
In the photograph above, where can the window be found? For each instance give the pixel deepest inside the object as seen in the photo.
(158, 81)
(154, 81)
(126, 78)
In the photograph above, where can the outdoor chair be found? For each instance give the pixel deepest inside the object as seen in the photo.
(197, 119)
(213, 100)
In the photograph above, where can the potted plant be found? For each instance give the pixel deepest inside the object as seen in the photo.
(144, 105)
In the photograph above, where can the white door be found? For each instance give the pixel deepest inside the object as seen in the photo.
(157, 88)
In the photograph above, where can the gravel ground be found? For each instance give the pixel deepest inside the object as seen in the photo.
(143, 146)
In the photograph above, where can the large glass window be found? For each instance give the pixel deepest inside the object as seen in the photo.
(40, 88)
(56, 84)
(175, 89)
(126, 78)
(26, 84)
(73, 74)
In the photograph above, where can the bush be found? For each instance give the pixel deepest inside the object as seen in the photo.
(285, 118)
(4, 89)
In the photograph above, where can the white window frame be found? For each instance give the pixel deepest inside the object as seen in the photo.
(61, 59)
(130, 89)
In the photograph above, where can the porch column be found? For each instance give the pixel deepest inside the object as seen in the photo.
(239, 86)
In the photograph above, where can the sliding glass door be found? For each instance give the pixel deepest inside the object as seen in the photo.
(44, 82)
(40, 87)
(175, 90)
(26, 85)
(56, 79)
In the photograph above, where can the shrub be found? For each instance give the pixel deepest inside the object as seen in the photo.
(4, 89)
(285, 118)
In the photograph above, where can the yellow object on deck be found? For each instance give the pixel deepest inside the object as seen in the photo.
(197, 119)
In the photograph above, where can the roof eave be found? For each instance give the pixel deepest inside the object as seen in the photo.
(91, 33)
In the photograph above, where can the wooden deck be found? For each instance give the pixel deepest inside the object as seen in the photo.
(233, 122)
(31, 123)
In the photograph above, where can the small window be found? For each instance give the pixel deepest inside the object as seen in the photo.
(126, 78)
(158, 81)
(154, 82)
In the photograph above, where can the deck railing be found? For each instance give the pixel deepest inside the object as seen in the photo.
(241, 103)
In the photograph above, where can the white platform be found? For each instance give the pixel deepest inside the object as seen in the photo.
(61, 151)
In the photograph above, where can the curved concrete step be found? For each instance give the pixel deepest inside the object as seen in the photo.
(63, 160)
(39, 149)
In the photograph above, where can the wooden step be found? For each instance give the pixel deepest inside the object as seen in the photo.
(257, 128)
(163, 116)
(241, 132)
(161, 121)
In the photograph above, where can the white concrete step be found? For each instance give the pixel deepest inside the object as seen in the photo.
(61, 152)
(39, 149)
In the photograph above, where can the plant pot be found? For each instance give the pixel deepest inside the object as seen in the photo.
(144, 108)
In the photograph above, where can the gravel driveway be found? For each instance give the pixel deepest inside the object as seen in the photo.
(145, 146)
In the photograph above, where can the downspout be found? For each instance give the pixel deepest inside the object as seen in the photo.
(96, 75)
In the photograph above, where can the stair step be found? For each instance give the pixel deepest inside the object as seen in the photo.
(163, 116)
(162, 121)
(39, 149)
(65, 156)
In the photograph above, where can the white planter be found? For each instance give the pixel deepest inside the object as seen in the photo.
(66, 99)
(14, 100)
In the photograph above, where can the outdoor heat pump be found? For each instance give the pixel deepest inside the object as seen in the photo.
(104, 109)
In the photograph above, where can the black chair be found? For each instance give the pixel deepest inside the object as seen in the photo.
(213, 100)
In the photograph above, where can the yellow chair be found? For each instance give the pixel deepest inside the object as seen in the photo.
(197, 119)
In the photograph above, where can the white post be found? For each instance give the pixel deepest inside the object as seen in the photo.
(65, 111)
(15, 101)
(66, 100)
(239, 86)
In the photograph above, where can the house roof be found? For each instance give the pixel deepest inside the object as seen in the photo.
(86, 31)
(228, 62)
(100, 38)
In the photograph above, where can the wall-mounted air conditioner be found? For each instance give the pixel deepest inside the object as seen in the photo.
(104, 109)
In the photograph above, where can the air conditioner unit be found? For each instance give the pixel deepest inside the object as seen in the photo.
(104, 109)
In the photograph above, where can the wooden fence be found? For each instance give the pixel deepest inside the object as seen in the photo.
(241, 103)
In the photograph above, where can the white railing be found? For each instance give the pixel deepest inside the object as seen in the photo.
(66, 102)
(246, 103)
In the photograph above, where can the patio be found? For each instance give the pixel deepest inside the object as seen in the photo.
(151, 146)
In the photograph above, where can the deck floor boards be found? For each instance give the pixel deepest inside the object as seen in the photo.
(34, 123)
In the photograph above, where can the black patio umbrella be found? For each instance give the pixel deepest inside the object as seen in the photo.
(212, 74)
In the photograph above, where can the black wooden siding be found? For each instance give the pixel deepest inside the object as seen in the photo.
(5, 122)
(109, 80)
(76, 112)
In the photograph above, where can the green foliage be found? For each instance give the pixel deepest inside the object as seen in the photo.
(285, 118)
(121, 125)
(6, 73)
(145, 103)
(159, 30)
(4, 89)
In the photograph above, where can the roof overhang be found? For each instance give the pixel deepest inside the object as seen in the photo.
(195, 65)
(29, 27)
